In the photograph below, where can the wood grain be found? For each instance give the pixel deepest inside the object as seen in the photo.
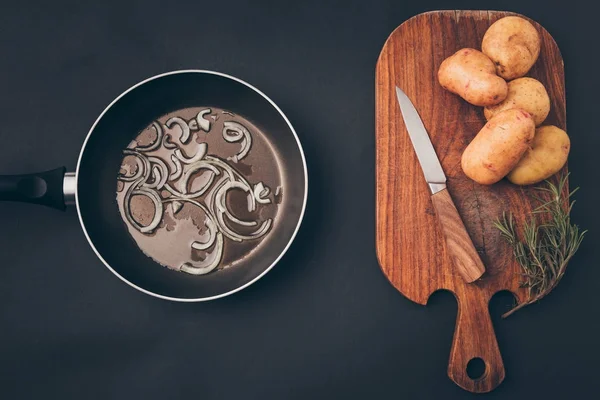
(410, 244)
(460, 248)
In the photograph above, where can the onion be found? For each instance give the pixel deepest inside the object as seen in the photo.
(231, 173)
(203, 123)
(236, 132)
(142, 162)
(138, 173)
(235, 220)
(185, 129)
(261, 192)
(167, 143)
(153, 174)
(220, 210)
(211, 261)
(158, 208)
(182, 184)
(251, 202)
(194, 202)
(200, 153)
(178, 169)
(215, 239)
(192, 169)
(140, 187)
(157, 177)
(212, 234)
(176, 206)
(160, 172)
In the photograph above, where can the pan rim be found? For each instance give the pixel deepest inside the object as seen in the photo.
(281, 254)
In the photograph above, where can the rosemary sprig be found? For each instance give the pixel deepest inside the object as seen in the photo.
(548, 243)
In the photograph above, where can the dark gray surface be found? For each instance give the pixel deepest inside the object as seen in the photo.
(324, 323)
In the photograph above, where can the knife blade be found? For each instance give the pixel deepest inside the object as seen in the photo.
(430, 163)
(458, 242)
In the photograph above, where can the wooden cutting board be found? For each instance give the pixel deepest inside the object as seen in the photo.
(410, 246)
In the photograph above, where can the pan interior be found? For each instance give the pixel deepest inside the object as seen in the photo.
(100, 164)
(199, 190)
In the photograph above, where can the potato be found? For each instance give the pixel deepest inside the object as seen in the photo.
(548, 154)
(513, 44)
(471, 74)
(498, 146)
(527, 94)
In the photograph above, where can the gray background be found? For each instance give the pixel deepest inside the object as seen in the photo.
(324, 323)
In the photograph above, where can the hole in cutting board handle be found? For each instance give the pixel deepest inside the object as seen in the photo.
(476, 368)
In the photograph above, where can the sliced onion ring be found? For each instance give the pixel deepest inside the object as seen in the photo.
(167, 143)
(178, 169)
(160, 172)
(220, 211)
(209, 263)
(138, 173)
(158, 208)
(201, 150)
(185, 129)
(203, 123)
(212, 234)
(236, 132)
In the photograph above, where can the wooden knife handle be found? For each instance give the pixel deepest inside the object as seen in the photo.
(458, 242)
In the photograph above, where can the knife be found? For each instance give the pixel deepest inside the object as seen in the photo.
(458, 242)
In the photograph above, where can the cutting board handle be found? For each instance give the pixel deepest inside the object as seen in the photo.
(474, 338)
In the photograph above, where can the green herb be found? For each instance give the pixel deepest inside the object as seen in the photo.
(549, 241)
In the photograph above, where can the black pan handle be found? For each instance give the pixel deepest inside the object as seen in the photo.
(46, 188)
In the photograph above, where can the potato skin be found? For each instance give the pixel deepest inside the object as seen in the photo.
(548, 154)
(498, 146)
(471, 74)
(513, 44)
(527, 94)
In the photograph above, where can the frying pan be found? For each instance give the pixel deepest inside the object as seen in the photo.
(92, 187)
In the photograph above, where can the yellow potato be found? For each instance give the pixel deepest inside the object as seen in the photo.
(498, 146)
(513, 44)
(527, 94)
(548, 154)
(471, 74)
